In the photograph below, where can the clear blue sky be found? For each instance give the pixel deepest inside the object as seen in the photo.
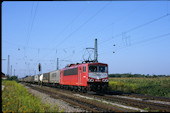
(38, 32)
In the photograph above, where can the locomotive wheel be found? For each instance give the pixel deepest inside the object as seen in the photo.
(84, 89)
(71, 88)
(75, 88)
(79, 88)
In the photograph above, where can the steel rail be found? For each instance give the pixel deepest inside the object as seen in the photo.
(88, 105)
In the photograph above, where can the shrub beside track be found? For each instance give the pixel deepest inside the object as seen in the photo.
(16, 98)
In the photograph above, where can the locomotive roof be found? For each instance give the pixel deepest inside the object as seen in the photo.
(89, 63)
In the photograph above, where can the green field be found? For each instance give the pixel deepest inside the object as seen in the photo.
(16, 98)
(158, 86)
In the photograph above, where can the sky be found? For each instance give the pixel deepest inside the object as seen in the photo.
(132, 36)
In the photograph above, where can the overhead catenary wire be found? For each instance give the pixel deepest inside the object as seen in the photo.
(129, 30)
(54, 48)
(99, 43)
(167, 6)
(69, 56)
(31, 25)
(134, 28)
(30, 28)
(137, 27)
(72, 21)
(143, 41)
(83, 24)
(23, 46)
(114, 22)
(37, 60)
(69, 25)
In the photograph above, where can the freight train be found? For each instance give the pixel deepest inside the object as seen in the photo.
(87, 76)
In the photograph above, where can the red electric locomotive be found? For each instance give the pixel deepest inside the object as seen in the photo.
(86, 76)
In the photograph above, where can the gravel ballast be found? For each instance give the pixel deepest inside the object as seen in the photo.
(61, 104)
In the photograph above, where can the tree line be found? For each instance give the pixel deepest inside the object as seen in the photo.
(12, 78)
(136, 75)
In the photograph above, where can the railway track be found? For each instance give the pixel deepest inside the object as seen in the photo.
(89, 105)
(96, 106)
(142, 103)
(135, 102)
(142, 96)
(147, 97)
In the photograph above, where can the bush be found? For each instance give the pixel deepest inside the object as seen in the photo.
(16, 98)
(158, 86)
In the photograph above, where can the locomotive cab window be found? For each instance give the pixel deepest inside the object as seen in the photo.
(92, 68)
(102, 69)
(99, 68)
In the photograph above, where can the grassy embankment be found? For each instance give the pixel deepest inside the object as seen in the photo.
(159, 86)
(16, 98)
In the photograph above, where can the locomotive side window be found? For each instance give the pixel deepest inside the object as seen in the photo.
(84, 68)
(92, 68)
(73, 71)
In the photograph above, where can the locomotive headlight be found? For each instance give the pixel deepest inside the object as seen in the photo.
(105, 80)
(90, 80)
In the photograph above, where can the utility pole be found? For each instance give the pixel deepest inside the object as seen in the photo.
(57, 63)
(95, 51)
(8, 66)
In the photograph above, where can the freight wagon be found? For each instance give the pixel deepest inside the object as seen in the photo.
(29, 79)
(37, 79)
(54, 78)
(45, 80)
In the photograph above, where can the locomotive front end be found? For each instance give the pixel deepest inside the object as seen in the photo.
(98, 77)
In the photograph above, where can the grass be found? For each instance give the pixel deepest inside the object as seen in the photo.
(16, 98)
(159, 86)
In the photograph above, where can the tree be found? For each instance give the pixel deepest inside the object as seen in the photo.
(12, 78)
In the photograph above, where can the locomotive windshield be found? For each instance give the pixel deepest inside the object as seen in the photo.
(98, 68)
(102, 69)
